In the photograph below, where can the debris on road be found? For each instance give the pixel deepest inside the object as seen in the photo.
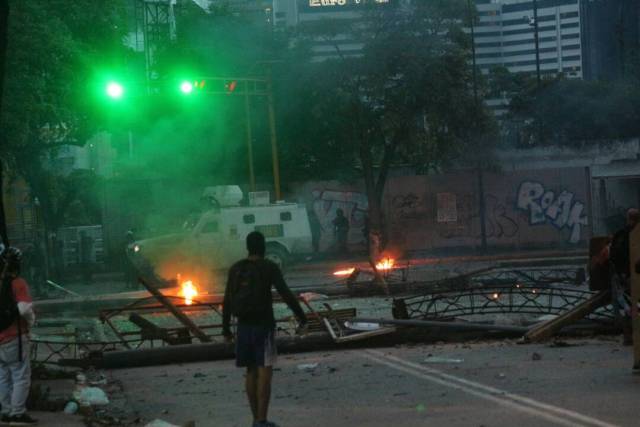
(547, 329)
(307, 367)
(536, 356)
(160, 423)
(312, 296)
(436, 359)
(446, 325)
(90, 396)
(71, 408)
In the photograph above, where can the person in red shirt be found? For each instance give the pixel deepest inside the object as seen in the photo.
(16, 317)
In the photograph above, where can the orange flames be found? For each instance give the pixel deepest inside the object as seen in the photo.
(346, 272)
(188, 292)
(385, 264)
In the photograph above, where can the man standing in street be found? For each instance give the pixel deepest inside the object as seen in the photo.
(248, 298)
(620, 266)
(16, 317)
(341, 229)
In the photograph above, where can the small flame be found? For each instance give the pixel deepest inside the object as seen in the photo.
(188, 292)
(385, 264)
(346, 272)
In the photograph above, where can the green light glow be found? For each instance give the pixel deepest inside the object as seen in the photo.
(114, 90)
(186, 87)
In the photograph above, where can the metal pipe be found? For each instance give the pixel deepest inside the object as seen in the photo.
(459, 326)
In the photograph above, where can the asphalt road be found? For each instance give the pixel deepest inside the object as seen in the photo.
(588, 383)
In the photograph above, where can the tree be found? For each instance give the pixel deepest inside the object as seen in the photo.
(54, 47)
(407, 98)
(573, 112)
(4, 18)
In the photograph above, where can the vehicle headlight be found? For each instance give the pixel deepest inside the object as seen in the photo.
(136, 248)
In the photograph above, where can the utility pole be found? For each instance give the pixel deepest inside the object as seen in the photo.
(481, 207)
(473, 52)
(537, 41)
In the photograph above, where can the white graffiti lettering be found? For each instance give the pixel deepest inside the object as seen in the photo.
(561, 211)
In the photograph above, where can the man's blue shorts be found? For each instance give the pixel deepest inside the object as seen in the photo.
(255, 346)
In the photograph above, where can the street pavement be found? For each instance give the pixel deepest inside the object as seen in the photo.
(584, 382)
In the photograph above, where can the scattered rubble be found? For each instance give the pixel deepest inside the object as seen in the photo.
(436, 359)
(307, 367)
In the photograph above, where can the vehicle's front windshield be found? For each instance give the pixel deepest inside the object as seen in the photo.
(191, 221)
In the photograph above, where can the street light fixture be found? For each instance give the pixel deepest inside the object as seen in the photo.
(114, 90)
(186, 87)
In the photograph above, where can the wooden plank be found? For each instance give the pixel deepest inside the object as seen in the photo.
(634, 259)
(366, 334)
(547, 329)
(182, 318)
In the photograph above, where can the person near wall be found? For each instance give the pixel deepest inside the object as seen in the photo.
(341, 231)
(620, 271)
(86, 251)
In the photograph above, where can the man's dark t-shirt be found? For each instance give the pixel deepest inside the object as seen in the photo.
(270, 275)
(620, 251)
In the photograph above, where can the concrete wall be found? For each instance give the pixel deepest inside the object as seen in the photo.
(524, 209)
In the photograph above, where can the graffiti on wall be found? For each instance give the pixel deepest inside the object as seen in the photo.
(325, 204)
(406, 206)
(545, 207)
(499, 223)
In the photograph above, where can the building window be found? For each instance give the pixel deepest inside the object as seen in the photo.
(210, 227)
(285, 216)
(569, 15)
(570, 25)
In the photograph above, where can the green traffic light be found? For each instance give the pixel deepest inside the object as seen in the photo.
(186, 87)
(114, 90)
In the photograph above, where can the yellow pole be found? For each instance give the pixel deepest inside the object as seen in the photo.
(252, 177)
(274, 141)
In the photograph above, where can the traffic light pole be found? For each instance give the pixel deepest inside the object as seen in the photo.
(252, 87)
(274, 140)
(247, 111)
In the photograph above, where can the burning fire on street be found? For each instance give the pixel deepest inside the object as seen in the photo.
(346, 272)
(188, 291)
(384, 265)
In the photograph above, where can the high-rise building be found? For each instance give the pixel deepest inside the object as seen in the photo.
(345, 17)
(610, 37)
(505, 36)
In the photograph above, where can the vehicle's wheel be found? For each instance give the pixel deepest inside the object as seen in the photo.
(278, 255)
